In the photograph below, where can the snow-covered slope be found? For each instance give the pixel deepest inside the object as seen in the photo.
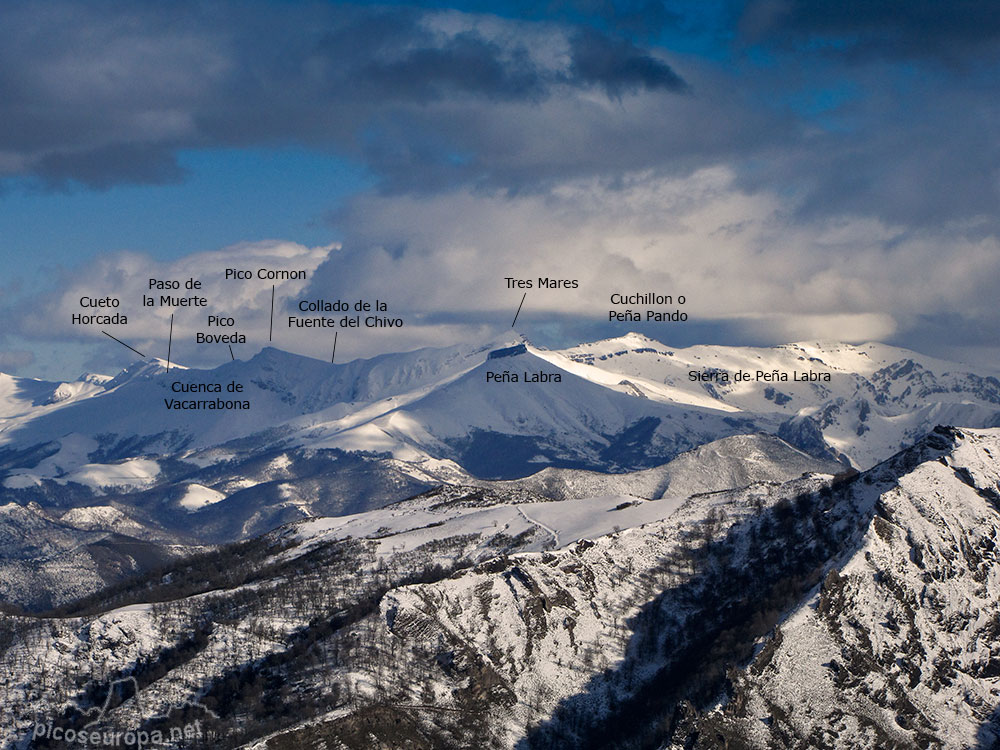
(516, 426)
(250, 609)
(478, 617)
(898, 646)
(878, 399)
(724, 464)
(321, 439)
(615, 405)
(130, 410)
(48, 561)
(20, 397)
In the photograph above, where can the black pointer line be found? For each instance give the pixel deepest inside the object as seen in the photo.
(231, 352)
(518, 310)
(123, 343)
(334, 346)
(170, 341)
(271, 332)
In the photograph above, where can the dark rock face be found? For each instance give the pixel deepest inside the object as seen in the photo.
(510, 351)
(805, 434)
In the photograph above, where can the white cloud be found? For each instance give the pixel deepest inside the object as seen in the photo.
(742, 260)
(851, 328)
(737, 256)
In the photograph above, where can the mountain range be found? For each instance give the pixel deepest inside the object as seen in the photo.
(105, 455)
(621, 544)
(619, 405)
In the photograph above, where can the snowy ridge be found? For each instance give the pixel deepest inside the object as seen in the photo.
(326, 440)
(21, 397)
(573, 421)
(49, 560)
(898, 646)
(344, 556)
(281, 388)
(879, 398)
(620, 405)
(490, 616)
(729, 463)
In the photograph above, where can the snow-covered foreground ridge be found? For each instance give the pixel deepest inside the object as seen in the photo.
(897, 647)
(857, 611)
(51, 554)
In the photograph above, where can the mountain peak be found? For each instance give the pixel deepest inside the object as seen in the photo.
(638, 340)
(631, 340)
(149, 367)
(273, 354)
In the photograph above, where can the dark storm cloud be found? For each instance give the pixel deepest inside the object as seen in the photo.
(466, 64)
(101, 93)
(640, 18)
(792, 187)
(949, 31)
(896, 101)
(382, 55)
(911, 161)
(619, 66)
(106, 166)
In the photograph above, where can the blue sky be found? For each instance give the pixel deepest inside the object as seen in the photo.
(224, 196)
(798, 169)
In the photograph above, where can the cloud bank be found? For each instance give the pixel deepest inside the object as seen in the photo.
(795, 171)
(744, 261)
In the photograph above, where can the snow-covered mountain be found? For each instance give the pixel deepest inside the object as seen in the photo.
(613, 405)
(897, 647)
(187, 634)
(877, 399)
(418, 407)
(243, 497)
(725, 464)
(324, 439)
(516, 427)
(50, 558)
(319, 439)
(851, 611)
(136, 408)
